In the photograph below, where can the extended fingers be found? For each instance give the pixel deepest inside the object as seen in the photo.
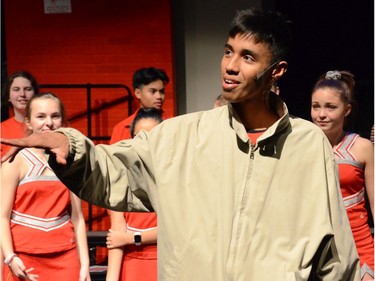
(30, 276)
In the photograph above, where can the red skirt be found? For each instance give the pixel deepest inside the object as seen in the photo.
(51, 266)
(135, 269)
(365, 245)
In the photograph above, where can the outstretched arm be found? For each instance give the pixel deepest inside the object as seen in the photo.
(54, 142)
(106, 176)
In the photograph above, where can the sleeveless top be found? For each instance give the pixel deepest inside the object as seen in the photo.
(351, 180)
(40, 219)
(352, 184)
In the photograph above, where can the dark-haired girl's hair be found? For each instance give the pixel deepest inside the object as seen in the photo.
(145, 113)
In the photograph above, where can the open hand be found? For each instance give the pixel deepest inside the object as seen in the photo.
(54, 142)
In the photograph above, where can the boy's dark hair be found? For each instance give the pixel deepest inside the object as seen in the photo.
(145, 76)
(266, 27)
(144, 113)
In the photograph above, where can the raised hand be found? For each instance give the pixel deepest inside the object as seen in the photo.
(53, 142)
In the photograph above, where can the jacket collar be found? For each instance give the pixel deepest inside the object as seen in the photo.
(272, 140)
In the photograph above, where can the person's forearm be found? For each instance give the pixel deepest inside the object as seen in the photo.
(81, 237)
(149, 236)
(115, 257)
(80, 231)
(6, 238)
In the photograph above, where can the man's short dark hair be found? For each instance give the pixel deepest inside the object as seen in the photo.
(266, 27)
(145, 76)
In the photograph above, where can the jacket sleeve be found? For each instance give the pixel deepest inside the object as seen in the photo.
(115, 177)
(337, 257)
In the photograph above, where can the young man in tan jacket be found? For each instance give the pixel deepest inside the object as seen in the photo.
(242, 192)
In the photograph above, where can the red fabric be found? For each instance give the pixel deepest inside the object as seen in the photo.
(41, 199)
(351, 182)
(10, 129)
(139, 222)
(253, 136)
(56, 266)
(122, 130)
(140, 262)
(138, 269)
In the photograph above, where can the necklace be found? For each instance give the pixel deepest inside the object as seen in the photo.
(257, 130)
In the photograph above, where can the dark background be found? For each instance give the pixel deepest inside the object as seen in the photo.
(330, 35)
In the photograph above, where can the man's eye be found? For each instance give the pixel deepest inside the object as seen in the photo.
(227, 52)
(248, 58)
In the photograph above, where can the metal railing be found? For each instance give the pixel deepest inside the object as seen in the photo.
(89, 110)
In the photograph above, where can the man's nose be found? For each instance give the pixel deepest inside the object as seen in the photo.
(232, 65)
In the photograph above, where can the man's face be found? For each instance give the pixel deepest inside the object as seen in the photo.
(151, 95)
(242, 61)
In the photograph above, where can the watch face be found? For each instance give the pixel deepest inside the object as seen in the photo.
(137, 239)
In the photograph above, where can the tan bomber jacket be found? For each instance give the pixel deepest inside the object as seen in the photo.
(226, 210)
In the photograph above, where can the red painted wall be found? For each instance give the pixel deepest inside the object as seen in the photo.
(99, 42)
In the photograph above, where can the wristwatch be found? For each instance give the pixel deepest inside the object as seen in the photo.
(137, 239)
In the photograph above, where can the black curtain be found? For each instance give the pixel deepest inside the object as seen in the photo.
(330, 35)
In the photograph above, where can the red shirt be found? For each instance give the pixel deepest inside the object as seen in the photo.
(11, 129)
(122, 130)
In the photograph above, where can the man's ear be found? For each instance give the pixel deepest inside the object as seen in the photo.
(137, 93)
(279, 70)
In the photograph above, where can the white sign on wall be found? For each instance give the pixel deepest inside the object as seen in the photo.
(57, 6)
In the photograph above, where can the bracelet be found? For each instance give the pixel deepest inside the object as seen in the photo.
(8, 260)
